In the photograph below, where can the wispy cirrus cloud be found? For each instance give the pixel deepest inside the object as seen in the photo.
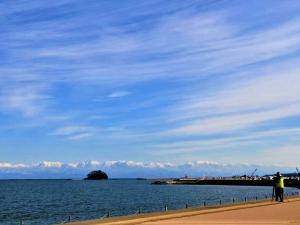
(241, 104)
(238, 140)
(262, 88)
(282, 155)
(172, 45)
(74, 132)
(198, 70)
(229, 123)
(242, 111)
(118, 94)
(28, 100)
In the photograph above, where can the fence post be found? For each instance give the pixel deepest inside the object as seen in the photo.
(204, 203)
(69, 219)
(220, 202)
(233, 201)
(245, 199)
(166, 208)
(256, 198)
(186, 206)
(139, 212)
(108, 214)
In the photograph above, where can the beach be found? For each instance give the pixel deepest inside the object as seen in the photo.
(263, 212)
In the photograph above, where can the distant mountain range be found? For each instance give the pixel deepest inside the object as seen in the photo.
(132, 169)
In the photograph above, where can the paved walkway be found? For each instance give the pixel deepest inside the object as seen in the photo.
(281, 213)
(261, 213)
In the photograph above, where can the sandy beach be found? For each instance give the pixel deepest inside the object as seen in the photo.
(265, 212)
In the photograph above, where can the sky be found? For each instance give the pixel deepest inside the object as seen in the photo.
(149, 84)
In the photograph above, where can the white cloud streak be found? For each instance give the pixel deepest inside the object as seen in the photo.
(253, 138)
(75, 132)
(243, 104)
(118, 94)
(223, 124)
(27, 99)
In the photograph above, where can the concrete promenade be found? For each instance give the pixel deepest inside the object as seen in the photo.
(264, 213)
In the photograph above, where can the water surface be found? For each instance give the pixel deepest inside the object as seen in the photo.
(39, 202)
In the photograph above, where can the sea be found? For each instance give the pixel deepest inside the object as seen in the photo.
(38, 202)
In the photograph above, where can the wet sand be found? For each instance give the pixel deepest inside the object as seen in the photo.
(267, 212)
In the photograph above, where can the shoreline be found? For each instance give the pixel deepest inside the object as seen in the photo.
(182, 213)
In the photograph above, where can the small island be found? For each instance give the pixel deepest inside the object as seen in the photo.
(96, 175)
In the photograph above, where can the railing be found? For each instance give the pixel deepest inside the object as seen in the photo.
(205, 204)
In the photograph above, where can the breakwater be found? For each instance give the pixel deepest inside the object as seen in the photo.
(238, 182)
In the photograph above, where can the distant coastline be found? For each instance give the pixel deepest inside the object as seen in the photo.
(38, 179)
(16, 179)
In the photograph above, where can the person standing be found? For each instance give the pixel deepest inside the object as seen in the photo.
(278, 187)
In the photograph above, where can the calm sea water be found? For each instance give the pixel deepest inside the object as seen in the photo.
(52, 201)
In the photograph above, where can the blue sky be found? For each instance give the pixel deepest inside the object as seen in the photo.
(150, 81)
